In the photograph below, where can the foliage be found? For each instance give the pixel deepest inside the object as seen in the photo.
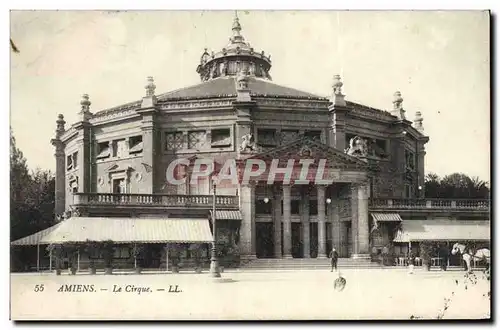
(31, 196)
(174, 250)
(108, 251)
(91, 248)
(456, 185)
(427, 251)
(57, 252)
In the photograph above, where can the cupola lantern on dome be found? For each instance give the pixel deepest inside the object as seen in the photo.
(237, 55)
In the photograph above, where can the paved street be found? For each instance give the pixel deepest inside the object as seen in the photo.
(369, 294)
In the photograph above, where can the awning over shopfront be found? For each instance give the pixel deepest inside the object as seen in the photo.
(35, 238)
(128, 230)
(227, 215)
(443, 230)
(381, 217)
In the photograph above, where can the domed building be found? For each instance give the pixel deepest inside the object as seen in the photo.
(111, 168)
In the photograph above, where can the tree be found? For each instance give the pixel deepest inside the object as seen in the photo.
(456, 185)
(31, 196)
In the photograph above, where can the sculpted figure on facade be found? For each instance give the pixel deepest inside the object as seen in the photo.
(248, 143)
(357, 147)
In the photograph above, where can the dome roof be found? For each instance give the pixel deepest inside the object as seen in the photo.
(226, 87)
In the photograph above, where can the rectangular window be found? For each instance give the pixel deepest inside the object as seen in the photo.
(103, 150)
(121, 252)
(382, 145)
(409, 191)
(120, 148)
(119, 186)
(294, 206)
(288, 136)
(135, 144)
(266, 137)
(221, 137)
(196, 139)
(75, 160)
(315, 135)
(313, 207)
(261, 207)
(69, 162)
(409, 160)
(174, 141)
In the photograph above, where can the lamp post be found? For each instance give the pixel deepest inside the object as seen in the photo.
(214, 263)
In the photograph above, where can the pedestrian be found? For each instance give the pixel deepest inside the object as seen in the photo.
(334, 256)
(411, 263)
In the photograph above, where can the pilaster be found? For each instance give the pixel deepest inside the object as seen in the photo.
(360, 223)
(150, 140)
(321, 222)
(277, 222)
(354, 217)
(306, 246)
(287, 222)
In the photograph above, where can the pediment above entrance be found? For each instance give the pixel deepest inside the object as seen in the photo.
(306, 148)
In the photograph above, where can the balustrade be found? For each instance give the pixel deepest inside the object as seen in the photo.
(148, 199)
(431, 203)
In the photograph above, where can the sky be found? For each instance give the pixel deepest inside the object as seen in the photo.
(438, 60)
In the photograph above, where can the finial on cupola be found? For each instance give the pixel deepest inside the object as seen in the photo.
(150, 86)
(397, 105)
(417, 122)
(337, 97)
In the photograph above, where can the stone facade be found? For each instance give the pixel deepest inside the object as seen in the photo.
(234, 113)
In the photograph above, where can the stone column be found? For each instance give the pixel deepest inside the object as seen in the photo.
(277, 223)
(335, 219)
(287, 222)
(421, 170)
(247, 229)
(354, 221)
(321, 222)
(363, 221)
(84, 159)
(306, 247)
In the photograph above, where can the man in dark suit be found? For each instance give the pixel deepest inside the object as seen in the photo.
(334, 256)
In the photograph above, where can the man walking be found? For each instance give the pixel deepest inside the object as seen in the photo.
(334, 256)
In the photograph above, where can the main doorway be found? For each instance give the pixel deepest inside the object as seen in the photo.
(264, 240)
(297, 251)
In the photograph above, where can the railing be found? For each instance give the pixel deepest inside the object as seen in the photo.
(430, 203)
(154, 200)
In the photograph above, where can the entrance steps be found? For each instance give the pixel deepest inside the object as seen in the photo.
(309, 263)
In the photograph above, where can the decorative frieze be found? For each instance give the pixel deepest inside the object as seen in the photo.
(196, 104)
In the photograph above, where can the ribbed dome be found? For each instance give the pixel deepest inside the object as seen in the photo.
(238, 55)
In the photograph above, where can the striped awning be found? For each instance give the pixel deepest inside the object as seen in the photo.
(227, 215)
(127, 230)
(443, 230)
(386, 217)
(35, 238)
